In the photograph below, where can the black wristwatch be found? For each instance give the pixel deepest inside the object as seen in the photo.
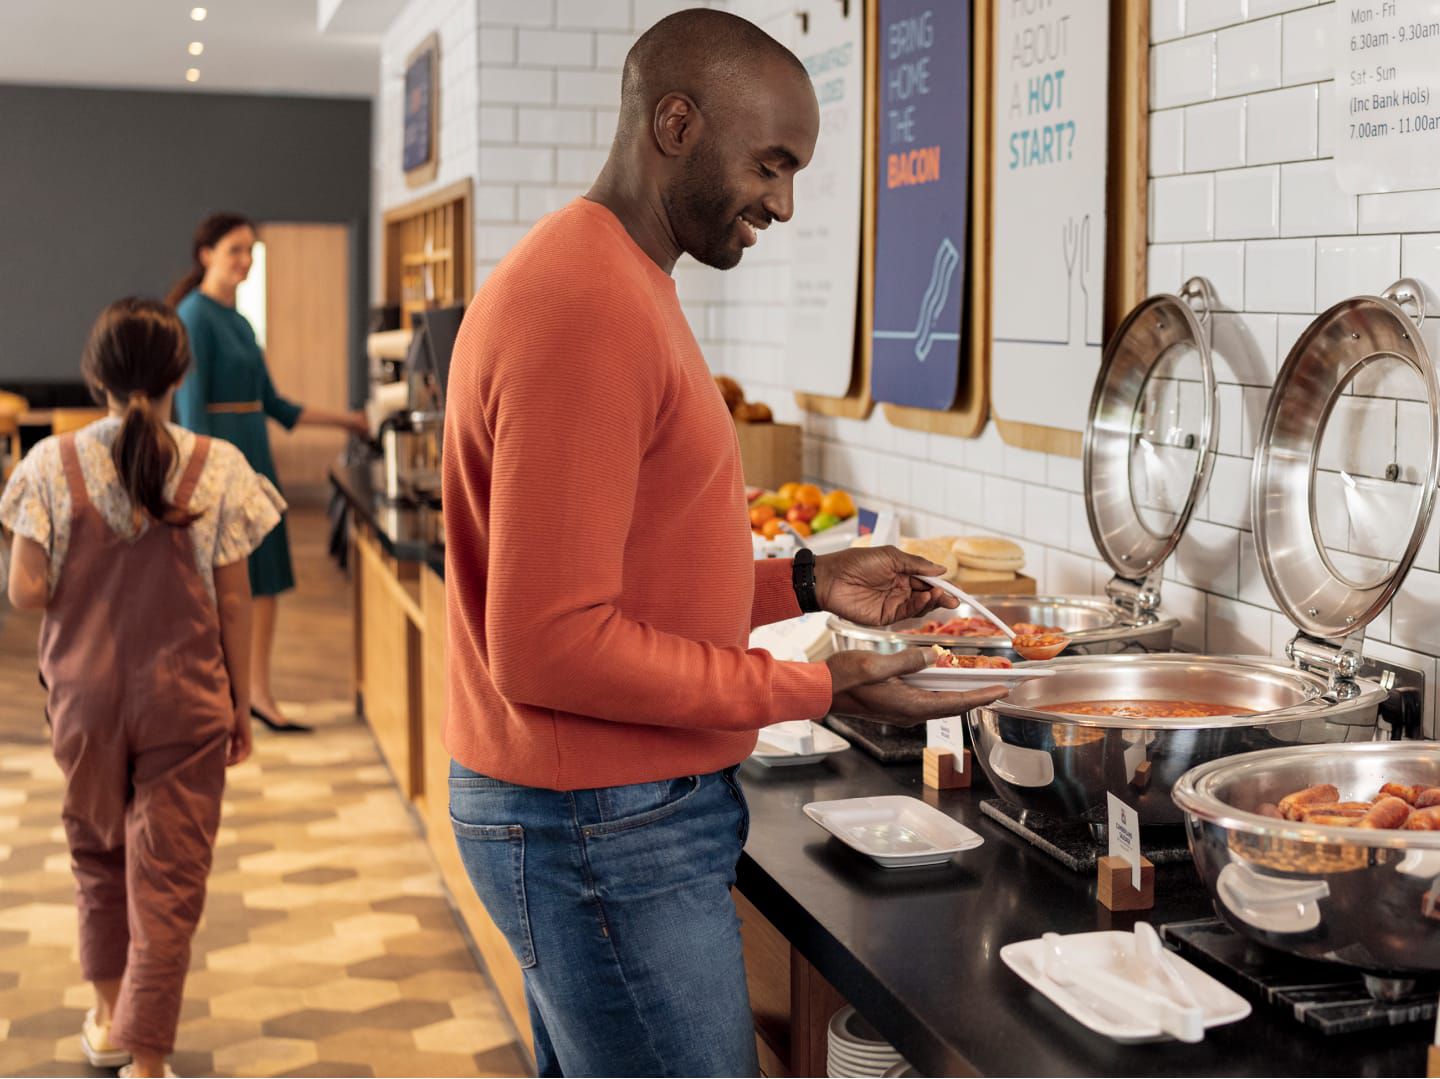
(802, 579)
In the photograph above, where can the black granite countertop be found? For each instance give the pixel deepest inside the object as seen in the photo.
(409, 533)
(917, 950)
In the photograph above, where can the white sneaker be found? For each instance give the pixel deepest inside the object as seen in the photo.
(128, 1072)
(95, 1043)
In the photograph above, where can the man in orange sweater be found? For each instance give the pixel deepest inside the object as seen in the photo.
(601, 585)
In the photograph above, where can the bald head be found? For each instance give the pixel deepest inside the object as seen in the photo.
(716, 117)
(709, 56)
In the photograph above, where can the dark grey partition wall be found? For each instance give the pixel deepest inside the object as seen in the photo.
(100, 191)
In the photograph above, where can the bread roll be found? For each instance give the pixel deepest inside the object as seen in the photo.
(988, 553)
(731, 391)
(936, 549)
(965, 576)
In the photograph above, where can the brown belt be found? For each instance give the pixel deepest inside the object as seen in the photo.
(234, 407)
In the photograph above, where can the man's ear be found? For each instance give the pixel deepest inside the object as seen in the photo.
(678, 124)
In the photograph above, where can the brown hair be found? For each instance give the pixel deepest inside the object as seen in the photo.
(137, 350)
(207, 234)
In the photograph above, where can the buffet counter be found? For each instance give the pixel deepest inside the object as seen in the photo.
(915, 950)
(397, 558)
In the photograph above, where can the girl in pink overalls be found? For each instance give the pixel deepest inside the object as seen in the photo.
(132, 535)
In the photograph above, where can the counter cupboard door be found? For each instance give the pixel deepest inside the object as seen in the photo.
(435, 806)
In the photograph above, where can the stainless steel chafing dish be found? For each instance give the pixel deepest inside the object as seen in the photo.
(1064, 765)
(1328, 691)
(1149, 443)
(1365, 898)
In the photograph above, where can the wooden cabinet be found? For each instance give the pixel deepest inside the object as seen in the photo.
(499, 961)
(792, 1002)
(427, 259)
(390, 659)
(400, 678)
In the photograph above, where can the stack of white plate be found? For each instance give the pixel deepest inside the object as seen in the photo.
(855, 1049)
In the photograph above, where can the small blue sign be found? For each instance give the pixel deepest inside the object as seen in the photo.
(922, 198)
(419, 100)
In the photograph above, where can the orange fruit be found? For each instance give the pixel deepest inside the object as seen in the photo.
(801, 527)
(807, 494)
(760, 514)
(839, 503)
(771, 528)
(787, 491)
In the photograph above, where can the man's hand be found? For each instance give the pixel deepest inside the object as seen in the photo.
(868, 684)
(876, 586)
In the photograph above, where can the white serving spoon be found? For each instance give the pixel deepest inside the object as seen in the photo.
(1025, 651)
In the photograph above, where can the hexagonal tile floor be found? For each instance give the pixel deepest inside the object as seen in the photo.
(328, 947)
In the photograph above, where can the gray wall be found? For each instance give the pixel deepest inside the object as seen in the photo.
(100, 191)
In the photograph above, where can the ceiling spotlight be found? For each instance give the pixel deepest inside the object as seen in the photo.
(192, 74)
(198, 14)
(196, 48)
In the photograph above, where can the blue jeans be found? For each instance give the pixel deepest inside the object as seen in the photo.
(616, 901)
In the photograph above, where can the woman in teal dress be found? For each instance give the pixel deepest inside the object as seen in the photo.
(228, 394)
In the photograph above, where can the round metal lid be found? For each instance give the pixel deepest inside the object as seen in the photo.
(1151, 436)
(1287, 500)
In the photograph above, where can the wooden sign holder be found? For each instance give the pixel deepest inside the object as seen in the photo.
(943, 770)
(1115, 890)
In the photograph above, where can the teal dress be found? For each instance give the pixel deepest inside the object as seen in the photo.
(228, 368)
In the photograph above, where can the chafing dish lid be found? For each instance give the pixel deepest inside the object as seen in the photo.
(1152, 431)
(1287, 502)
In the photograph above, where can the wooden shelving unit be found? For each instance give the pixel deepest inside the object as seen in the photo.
(427, 251)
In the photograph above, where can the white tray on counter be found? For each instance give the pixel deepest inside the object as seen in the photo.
(897, 831)
(770, 755)
(1111, 951)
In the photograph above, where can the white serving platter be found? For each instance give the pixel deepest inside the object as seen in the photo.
(1113, 952)
(895, 830)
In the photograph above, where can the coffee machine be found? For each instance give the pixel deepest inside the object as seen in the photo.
(412, 422)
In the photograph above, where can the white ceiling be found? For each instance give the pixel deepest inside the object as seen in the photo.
(251, 46)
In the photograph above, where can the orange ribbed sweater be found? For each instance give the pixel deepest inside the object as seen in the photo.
(599, 578)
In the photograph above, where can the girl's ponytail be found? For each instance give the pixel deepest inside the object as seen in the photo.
(136, 352)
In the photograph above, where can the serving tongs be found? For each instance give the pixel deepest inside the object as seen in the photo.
(1104, 992)
(1022, 643)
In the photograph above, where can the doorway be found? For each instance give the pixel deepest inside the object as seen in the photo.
(303, 321)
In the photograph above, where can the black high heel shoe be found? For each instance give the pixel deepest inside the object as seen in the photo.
(278, 727)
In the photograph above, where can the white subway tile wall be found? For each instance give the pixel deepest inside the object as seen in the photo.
(1242, 191)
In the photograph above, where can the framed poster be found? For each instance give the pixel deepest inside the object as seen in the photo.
(422, 112)
(922, 195)
(1068, 192)
(825, 260)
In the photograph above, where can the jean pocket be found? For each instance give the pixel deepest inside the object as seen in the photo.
(494, 858)
(635, 805)
(732, 780)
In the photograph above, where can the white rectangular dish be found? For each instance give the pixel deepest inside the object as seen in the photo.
(773, 754)
(1114, 952)
(895, 830)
